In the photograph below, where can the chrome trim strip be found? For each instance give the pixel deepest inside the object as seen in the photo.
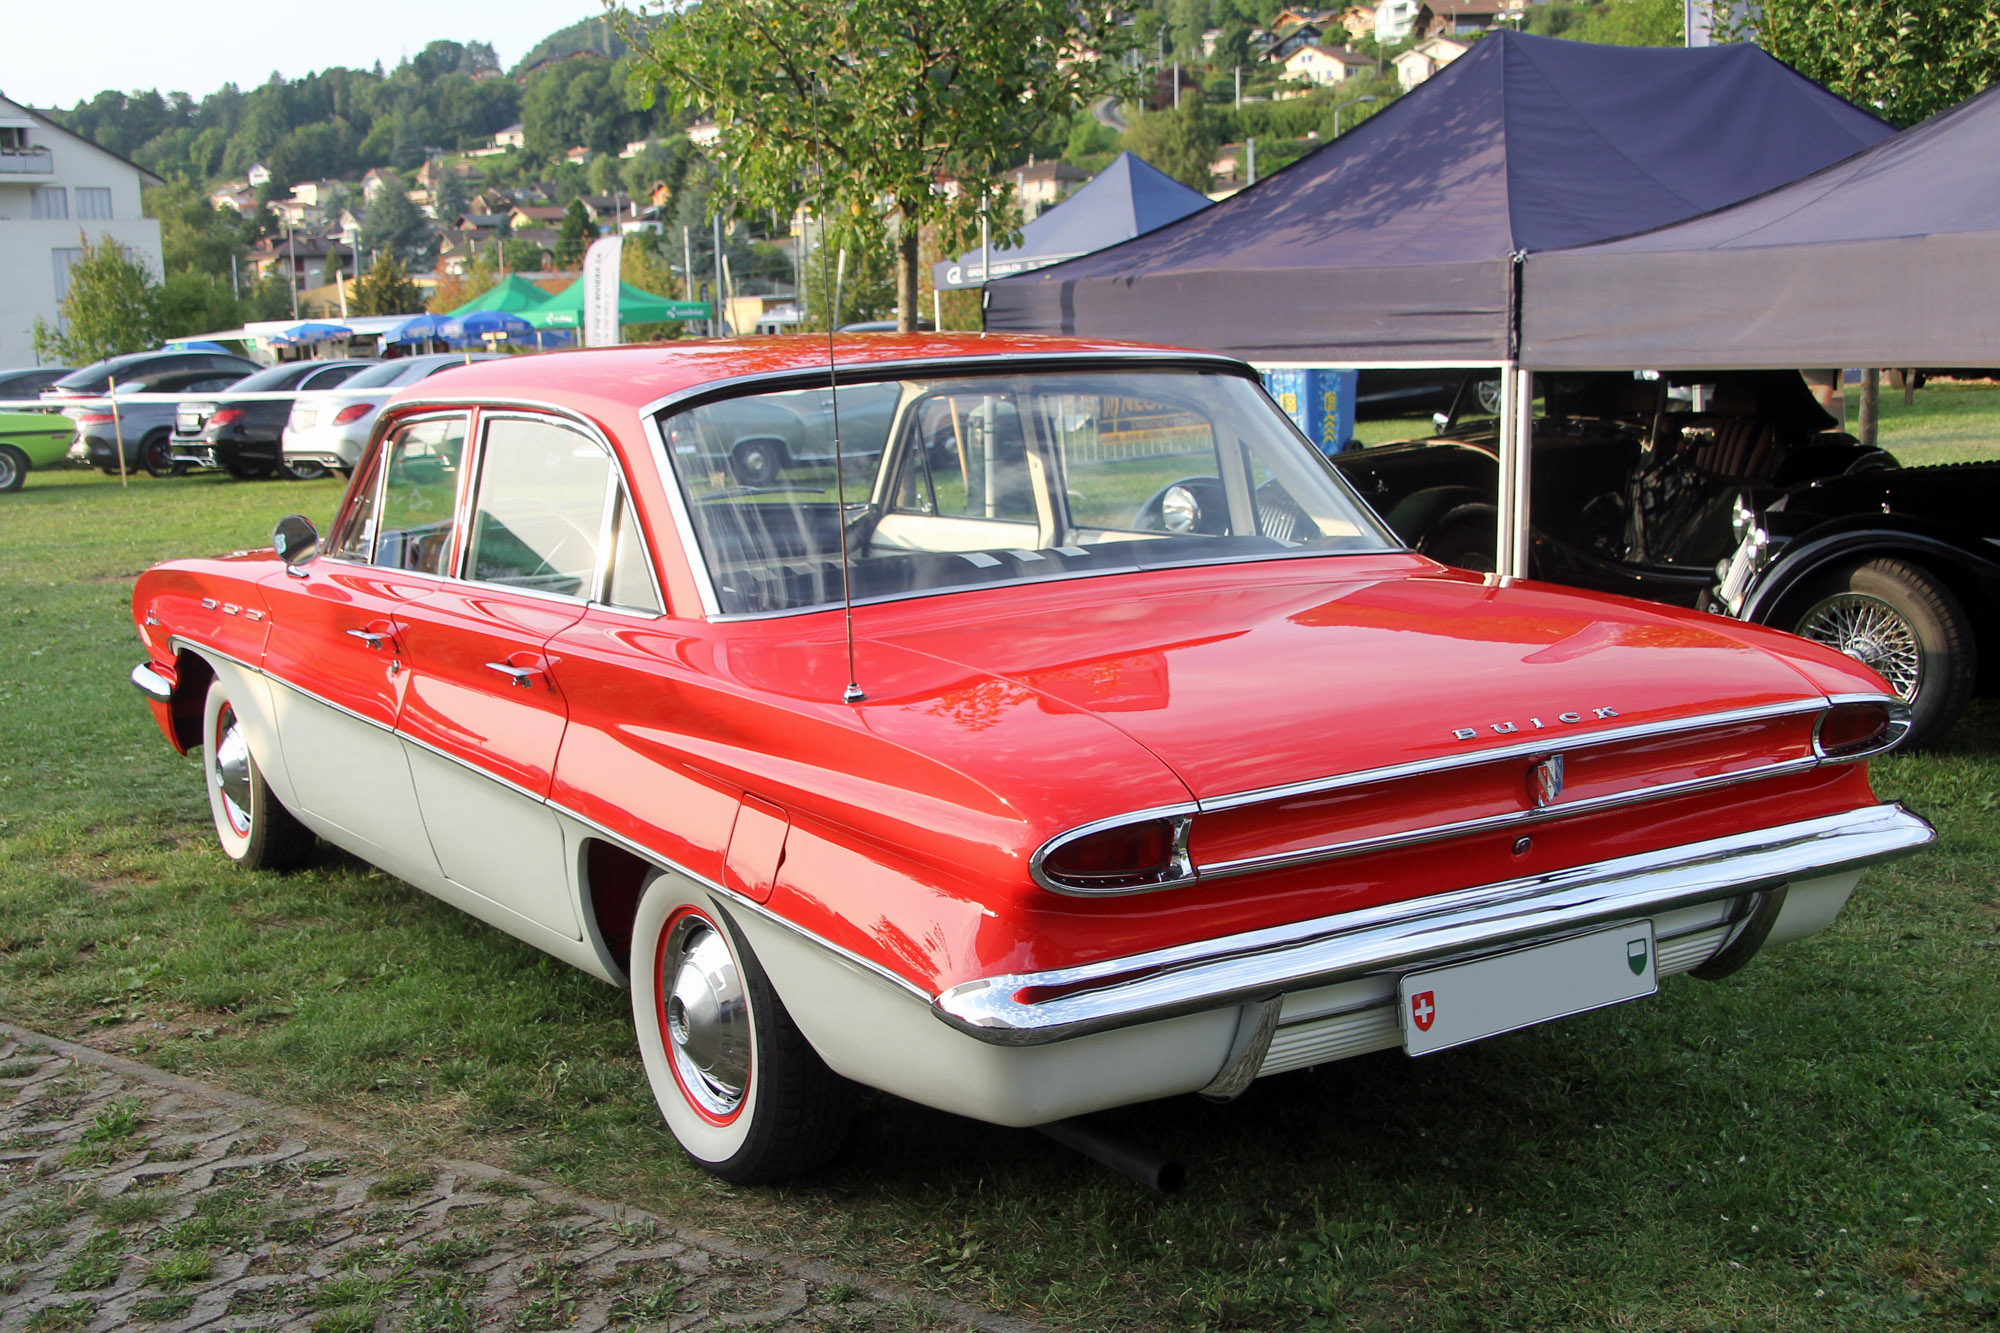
(1395, 937)
(670, 482)
(665, 863)
(1335, 851)
(1565, 741)
(152, 684)
(1424, 767)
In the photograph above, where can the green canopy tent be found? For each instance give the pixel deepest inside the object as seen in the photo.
(513, 294)
(565, 309)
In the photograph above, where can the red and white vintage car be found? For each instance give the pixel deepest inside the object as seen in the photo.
(1063, 734)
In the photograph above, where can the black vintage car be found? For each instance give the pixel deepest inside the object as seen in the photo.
(1734, 492)
(243, 431)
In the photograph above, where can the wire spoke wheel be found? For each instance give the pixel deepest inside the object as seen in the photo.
(1870, 631)
(1902, 621)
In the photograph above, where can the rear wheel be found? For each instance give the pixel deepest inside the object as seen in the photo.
(740, 1087)
(253, 828)
(1907, 626)
(247, 471)
(13, 469)
(302, 471)
(156, 454)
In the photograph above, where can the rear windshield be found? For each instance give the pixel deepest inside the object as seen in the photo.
(967, 480)
(378, 376)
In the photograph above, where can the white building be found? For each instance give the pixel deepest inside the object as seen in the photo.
(55, 189)
(1427, 58)
(1325, 65)
(1395, 19)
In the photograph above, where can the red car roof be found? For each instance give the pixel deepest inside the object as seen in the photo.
(632, 377)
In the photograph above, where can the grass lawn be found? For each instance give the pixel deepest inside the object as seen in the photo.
(1813, 1144)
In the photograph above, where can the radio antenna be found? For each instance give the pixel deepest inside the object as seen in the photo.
(853, 694)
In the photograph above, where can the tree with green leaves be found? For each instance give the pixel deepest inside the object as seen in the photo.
(449, 199)
(850, 108)
(1903, 60)
(1629, 23)
(1181, 142)
(386, 289)
(112, 307)
(575, 235)
(393, 227)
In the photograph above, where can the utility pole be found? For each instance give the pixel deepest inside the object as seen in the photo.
(1250, 149)
(1177, 85)
(717, 229)
(1239, 87)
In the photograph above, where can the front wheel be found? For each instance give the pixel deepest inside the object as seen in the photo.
(13, 469)
(741, 1088)
(253, 828)
(156, 454)
(1905, 625)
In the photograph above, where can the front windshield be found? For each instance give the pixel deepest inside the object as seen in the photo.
(964, 480)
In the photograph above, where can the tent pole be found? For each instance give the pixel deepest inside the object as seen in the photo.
(1505, 497)
(1518, 472)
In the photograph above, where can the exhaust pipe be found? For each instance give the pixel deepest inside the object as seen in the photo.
(1148, 1166)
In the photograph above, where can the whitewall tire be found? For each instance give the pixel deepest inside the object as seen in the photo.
(255, 830)
(742, 1090)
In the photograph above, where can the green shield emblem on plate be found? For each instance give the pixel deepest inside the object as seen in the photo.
(1635, 957)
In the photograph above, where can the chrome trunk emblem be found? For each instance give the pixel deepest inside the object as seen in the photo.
(1545, 780)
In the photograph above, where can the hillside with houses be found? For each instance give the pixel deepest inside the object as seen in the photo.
(274, 200)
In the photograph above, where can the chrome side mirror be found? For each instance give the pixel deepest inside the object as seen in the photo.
(295, 540)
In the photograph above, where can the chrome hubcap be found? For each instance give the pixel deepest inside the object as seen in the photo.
(1869, 631)
(232, 770)
(707, 1017)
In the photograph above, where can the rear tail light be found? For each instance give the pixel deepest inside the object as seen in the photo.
(94, 418)
(228, 416)
(352, 412)
(1857, 728)
(1146, 853)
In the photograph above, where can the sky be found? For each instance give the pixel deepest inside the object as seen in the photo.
(61, 52)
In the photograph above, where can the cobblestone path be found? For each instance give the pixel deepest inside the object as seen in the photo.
(131, 1198)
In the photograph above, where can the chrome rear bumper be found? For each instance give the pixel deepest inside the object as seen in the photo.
(1395, 937)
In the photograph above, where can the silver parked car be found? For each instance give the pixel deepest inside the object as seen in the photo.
(329, 427)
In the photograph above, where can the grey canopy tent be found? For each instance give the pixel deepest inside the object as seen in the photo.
(1398, 244)
(1128, 198)
(1891, 257)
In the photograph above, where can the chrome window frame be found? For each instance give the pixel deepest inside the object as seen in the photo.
(652, 414)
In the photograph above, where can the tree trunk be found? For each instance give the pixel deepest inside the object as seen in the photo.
(1871, 406)
(906, 269)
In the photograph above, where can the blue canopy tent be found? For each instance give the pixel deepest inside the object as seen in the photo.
(416, 329)
(1128, 198)
(1401, 243)
(483, 327)
(309, 333)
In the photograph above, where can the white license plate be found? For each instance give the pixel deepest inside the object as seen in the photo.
(1449, 1006)
(300, 420)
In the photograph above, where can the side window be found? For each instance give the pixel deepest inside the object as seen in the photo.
(405, 522)
(538, 515)
(631, 583)
(973, 461)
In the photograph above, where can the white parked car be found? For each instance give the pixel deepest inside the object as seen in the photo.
(329, 427)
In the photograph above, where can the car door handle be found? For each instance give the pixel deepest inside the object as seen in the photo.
(520, 675)
(372, 637)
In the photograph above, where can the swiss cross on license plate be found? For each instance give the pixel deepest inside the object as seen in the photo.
(1449, 1006)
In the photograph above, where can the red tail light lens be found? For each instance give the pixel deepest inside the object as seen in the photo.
(352, 412)
(94, 418)
(1128, 856)
(1850, 730)
(226, 417)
